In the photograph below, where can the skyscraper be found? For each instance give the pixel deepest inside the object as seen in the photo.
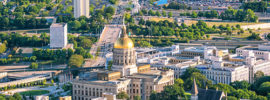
(81, 8)
(58, 35)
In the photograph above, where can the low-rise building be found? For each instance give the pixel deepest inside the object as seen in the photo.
(225, 72)
(204, 52)
(42, 97)
(257, 58)
(65, 98)
(178, 64)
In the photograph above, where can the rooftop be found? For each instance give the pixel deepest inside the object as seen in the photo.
(58, 24)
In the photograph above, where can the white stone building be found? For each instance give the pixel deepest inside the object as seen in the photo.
(256, 58)
(58, 35)
(42, 97)
(178, 65)
(226, 73)
(81, 8)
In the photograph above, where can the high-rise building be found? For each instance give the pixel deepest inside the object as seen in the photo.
(81, 8)
(58, 35)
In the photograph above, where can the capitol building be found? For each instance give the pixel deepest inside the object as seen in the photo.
(126, 75)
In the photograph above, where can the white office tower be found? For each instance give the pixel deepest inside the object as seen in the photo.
(58, 35)
(81, 8)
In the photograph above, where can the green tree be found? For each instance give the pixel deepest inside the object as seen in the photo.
(264, 88)
(75, 61)
(17, 96)
(194, 14)
(11, 98)
(122, 95)
(52, 81)
(240, 84)
(158, 14)
(268, 96)
(2, 98)
(137, 98)
(3, 48)
(258, 75)
(75, 25)
(109, 11)
(34, 65)
(86, 43)
(170, 14)
(188, 72)
(229, 98)
(164, 13)
(4, 22)
(240, 94)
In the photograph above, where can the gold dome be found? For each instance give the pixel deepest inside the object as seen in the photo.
(124, 42)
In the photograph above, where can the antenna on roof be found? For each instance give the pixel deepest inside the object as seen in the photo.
(124, 19)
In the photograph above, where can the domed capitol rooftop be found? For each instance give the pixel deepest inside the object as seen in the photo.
(124, 42)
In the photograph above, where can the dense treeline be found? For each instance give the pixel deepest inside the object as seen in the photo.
(4, 61)
(166, 28)
(255, 6)
(239, 15)
(177, 6)
(229, 14)
(15, 96)
(157, 42)
(46, 54)
(82, 41)
(18, 20)
(151, 33)
(208, 14)
(235, 91)
(150, 12)
(83, 24)
(18, 40)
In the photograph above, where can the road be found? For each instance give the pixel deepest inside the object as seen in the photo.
(109, 35)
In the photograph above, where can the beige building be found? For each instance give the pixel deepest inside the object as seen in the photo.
(42, 97)
(81, 8)
(65, 98)
(126, 76)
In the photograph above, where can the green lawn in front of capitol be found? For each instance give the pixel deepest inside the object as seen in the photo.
(34, 92)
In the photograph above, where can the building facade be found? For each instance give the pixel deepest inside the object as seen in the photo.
(225, 74)
(81, 8)
(58, 35)
(257, 58)
(125, 76)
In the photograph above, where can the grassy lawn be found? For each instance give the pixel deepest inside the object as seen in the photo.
(34, 92)
(161, 19)
(46, 62)
(190, 22)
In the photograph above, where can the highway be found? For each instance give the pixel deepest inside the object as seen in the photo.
(109, 35)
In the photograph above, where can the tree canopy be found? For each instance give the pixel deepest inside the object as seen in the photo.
(75, 61)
